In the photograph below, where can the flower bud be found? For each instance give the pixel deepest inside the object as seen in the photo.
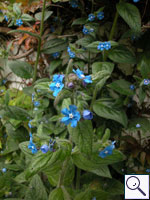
(71, 85)
(87, 114)
(44, 148)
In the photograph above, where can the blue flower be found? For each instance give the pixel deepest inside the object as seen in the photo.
(4, 170)
(100, 15)
(138, 125)
(4, 81)
(36, 103)
(29, 124)
(94, 198)
(85, 31)
(107, 151)
(135, 1)
(91, 17)
(80, 75)
(19, 22)
(38, 90)
(70, 85)
(56, 86)
(71, 54)
(146, 82)
(87, 114)
(74, 3)
(107, 45)
(132, 87)
(1, 91)
(33, 95)
(148, 170)
(44, 148)
(32, 146)
(71, 116)
(6, 18)
(56, 55)
(101, 46)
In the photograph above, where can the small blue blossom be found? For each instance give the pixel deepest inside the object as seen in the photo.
(107, 45)
(107, 151)
(32, 146)
(1, 91)
(44, 148)
(94, 198)
(80, 75)
(35, 109)
(4, 81)
(19, 22)
(29, 124)
(71, 116)
(70, 85)
(36, 103)
(135, 1)
(148, 170)
(71, 54)
(56, 86)
(100, 15)
(146, 82)
(87, 114)
(85, 31)
(33, 95)
(132, 87)
(138, 125)
(56, 55)
(91, 17)
(38, 90)
(6, 18)
(101, 46)
(74, 3)
(4, 170)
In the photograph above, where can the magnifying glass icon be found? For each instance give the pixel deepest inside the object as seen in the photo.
(133, 183)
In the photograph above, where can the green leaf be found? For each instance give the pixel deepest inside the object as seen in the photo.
(121, 86)
(36, 190)
(105, 108)
(27, 18)
(7, 97)
(17, 113)
(21, 68)
(47, 14)
(24, 148)
(54, 45)
(144, 64)
(16, 9)
(82, 135)
(79, 21)
(130, 14)
(121, 54)
(62, 95)
(54, 65)
(25, 32)
(56, 194)
(85, 41)
(100, 66)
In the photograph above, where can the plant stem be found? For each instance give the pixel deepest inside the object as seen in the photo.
(89, 61)
(94, 98)
(78, 178)
(112, 32)
(39, 42)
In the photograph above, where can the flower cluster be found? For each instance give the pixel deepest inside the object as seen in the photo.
(146, 82)
(74, 3)
(107, 151)
(91, 17)
(19, 22)
(71, 54)
(57, 85)
(86, 31)
(56, 55)
(104, 46)
(86, 79)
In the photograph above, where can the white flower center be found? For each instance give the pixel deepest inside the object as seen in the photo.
(70, 115)
(57, 85)
(106, 152)
(82, 76)
(32, 147)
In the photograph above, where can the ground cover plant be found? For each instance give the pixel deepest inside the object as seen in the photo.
(76, 118)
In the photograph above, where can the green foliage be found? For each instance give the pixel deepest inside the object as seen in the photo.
(52, 151)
